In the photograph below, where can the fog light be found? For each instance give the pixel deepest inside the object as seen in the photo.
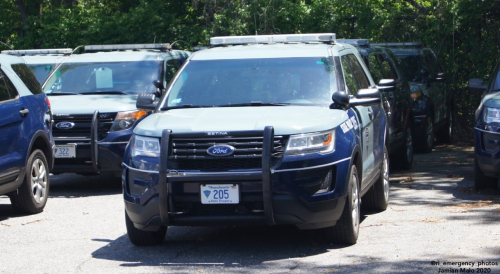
(138, 183)
(326, 183)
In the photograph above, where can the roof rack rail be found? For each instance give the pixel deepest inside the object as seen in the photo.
(271, 39)
(357, 42)
(399, 44)
(119, 47)
(28, 52)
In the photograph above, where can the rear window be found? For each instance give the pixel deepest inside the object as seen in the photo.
(29, 79)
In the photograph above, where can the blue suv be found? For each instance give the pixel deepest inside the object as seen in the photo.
(25, 134)
(487, 132)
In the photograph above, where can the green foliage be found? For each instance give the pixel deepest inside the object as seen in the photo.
(465, 34)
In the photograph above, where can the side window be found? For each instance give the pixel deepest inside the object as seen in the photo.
(7, 89)
(349, 77)
(432, 64)
(374, 67)
(4, 93)
(173, 65)
(387, 67)
(27, 76)
(358, 71)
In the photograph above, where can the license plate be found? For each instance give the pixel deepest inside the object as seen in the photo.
(65, 151)
(220, 194)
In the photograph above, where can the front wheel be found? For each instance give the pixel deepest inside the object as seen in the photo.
(405, 159)
(445, 135)
(32, 195)
(428, 141)
(482, 181)
(143, 237)
(347, 228)
(377, 198)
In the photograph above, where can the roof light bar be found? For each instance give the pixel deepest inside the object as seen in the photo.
(269, 39)
(398, 44)
(94, 48)
(357, 42)
(27, 52)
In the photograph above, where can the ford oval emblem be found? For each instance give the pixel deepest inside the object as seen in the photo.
(220, 150)
(65, 125)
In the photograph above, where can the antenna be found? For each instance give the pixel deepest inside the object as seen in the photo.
(10, 48)
(172, 45)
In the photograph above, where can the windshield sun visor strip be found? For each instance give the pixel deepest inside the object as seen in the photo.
(163, 183)
(266, 174)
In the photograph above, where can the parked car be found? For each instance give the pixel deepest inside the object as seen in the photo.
(396, 99)
(260, 132)
(487, 132)
(93, 97)
(42, 61)
(432, 102)
(26, 157)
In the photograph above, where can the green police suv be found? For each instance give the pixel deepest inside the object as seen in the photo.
(270, 129)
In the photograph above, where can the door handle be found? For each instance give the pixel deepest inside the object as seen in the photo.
(24, 112)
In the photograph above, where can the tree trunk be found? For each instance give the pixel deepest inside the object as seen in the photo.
(22, 10)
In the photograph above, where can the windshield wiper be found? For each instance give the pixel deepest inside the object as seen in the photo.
(185, 106)
(63, 93)
(255, 103)
(106, 92)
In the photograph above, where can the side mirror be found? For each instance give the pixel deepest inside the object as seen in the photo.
(366, 97)
(477, 85)
(340, 100)
(387, 85)
(159, 88)
(440, 77)
(146, 101)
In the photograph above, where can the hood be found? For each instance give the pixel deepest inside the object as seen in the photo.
(85, 104)
(491, 100)
(286, 120)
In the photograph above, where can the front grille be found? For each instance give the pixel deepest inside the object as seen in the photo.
(191, 153)
(82, 125)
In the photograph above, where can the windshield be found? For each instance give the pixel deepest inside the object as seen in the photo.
(107, 77)
(304, 81)
(411, 67)
(41, 71)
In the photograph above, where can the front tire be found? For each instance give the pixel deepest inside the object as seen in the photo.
(143, 237)
(445, 135)
(405, 159)
(347, 228)
(428, 141)
(32, 195)
(482, 181)
(377, 198)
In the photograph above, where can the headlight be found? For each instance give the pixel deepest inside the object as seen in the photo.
(125, 120)
(322, 142)
(416, 92)
(145, 146)
(491, 115)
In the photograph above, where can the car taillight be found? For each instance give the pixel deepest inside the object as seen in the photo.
(48, 102)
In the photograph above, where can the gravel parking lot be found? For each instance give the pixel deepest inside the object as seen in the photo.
(435, 223)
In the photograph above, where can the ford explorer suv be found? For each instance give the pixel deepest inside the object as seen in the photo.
(487, 132)
(432, 103)
(93, 98)
(260, 130)
(25, 136)
(396, 99)
(42, 61)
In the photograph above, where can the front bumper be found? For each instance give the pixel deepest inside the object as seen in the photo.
(285, 195)
(94, 156)
(487, 148)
